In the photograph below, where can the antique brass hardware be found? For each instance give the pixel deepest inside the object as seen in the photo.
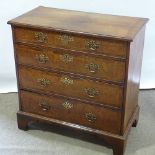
(91, 92)
(67, 105)
(43, 81)
(65, 39)
(92, 67)
(92, 45)
(90, 117)
(41, 37)
(45, 106)
(42, 58)
(66, 81)
(66, 58)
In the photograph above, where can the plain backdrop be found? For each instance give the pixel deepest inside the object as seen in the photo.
(12, 8)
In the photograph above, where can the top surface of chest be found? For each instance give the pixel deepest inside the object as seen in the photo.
(81, 22)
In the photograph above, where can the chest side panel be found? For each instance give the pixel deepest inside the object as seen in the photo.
(133, 77)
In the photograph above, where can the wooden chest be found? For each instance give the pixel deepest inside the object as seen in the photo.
(79, 70)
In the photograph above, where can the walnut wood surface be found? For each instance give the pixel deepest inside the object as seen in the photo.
(107, 93)
(110, 70)
(89, 38)
(81, 22)
(108, 47)
(107, 120)
(117, 142)
(133, 76)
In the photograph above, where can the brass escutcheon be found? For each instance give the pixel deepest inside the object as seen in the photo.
(67, 105)
(42, 58)
(45, 106)
(92, 67)
(91, 92)
(66, 81)
(43, 81)
(92, 45)
(90, 117)
(41, 37)
(66, 58)
(65, 39)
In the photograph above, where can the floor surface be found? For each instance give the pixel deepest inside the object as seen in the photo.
(13, 141)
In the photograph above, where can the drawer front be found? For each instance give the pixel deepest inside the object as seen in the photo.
(72, 111)
(96, 67)
(92, 91)
(69, 41)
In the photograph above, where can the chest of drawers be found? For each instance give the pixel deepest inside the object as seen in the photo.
(79, 70)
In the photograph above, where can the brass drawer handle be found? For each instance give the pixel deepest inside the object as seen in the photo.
(43, 81)
(90, 117)
(92, 45)
(66, 58)
(45, 106)
(41, 37)
(65, 39)
(41, 58)
(67, 105)
(91, 92)
(66, 81)
(92, 67)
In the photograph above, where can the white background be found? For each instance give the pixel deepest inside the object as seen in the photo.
(11, 8)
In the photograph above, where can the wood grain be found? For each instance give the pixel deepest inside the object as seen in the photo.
(107, 94)
(102, 102)
(108, 47)
(107, 120)
(107, 69)
(115, 141)
(81, 22)
(133, 77)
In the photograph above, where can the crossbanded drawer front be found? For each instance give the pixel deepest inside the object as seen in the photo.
(71, 111)
(90, 90)
(108, 47)
(107, 69)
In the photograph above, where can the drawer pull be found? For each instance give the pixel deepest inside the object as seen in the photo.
(90, 117)
(66, 58)
(44, 82)
(92, 45)
(45, 106)
(41, 58)
(92, 67)
(91, 92)
(67, 105)
(66, 81)
(65, 39)
(41, 37)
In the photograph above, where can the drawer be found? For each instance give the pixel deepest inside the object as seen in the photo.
(70, 41)
(72, 111)
(107, 69)
(88, 90)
